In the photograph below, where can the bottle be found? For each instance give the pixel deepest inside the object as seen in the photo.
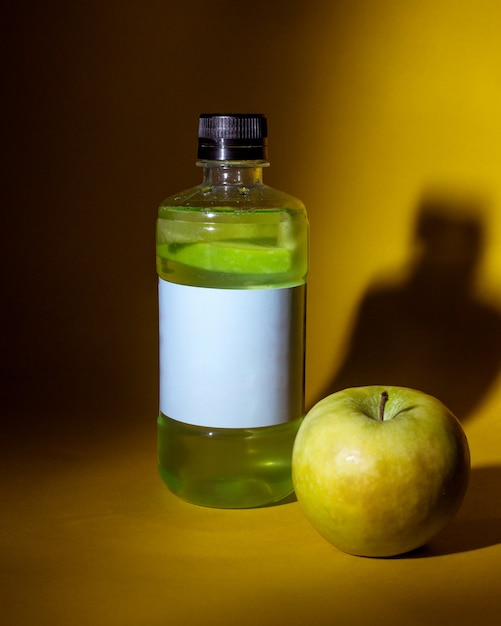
(232, 262)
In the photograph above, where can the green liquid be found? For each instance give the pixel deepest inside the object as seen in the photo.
(221, 248)
(232, 250)
(226, 468)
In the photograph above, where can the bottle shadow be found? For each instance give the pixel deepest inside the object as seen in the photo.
(478, 522)
(430, 330)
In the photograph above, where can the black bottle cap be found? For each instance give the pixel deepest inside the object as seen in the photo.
(232, 137)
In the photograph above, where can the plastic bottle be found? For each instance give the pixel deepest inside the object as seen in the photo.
(232, 261)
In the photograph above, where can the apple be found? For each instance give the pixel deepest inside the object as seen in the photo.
(230, 256)
(380, 470)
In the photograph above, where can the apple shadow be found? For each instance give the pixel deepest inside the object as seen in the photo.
(430, 330)
(477, 524)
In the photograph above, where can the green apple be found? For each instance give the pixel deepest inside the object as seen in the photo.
(230, 256)
(380, 470)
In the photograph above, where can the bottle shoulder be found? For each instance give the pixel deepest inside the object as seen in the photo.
(253, 197)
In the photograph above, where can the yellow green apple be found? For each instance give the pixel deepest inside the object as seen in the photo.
(230, 256)
(380, 470)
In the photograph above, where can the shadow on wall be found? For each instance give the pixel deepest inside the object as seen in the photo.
(430, 331)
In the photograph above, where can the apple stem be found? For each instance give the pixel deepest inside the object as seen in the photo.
(382, 402)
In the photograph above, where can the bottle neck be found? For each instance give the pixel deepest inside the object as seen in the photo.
(227, 173)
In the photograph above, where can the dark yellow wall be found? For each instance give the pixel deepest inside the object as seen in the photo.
(375, 110)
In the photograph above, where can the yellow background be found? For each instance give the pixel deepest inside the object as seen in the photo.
(375, 110)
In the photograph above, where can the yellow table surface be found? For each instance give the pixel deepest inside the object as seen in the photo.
(90, 536)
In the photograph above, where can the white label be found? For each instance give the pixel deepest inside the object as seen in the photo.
(231, 358)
